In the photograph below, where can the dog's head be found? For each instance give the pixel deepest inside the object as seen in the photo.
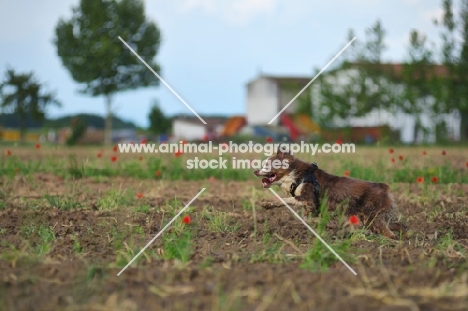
(275, 167)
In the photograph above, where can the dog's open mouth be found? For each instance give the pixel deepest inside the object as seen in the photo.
(268, 180)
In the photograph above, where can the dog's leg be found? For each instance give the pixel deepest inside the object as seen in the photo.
(271, 205)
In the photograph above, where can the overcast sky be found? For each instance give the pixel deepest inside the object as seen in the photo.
(211, 50)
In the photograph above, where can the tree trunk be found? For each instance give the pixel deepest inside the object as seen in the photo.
(22, 128)
(108, 123)
(464, 125)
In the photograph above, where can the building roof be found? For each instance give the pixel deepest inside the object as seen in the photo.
(284, 79)
(396, 70)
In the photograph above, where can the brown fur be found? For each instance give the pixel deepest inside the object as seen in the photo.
(370, 201)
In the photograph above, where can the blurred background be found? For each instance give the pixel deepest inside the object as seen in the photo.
(67, 78)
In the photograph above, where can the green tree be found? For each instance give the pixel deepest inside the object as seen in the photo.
(23, 94)
(462, 70)
(89, 48)
(159, 123)
(416, 80)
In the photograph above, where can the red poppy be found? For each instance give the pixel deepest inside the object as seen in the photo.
(346, 173)
(38, 146)
(339, 142)
(212, 179)
(354, 220)
(8, 153)
(443, 152)
(114, 159)
(140, 158)
(183, 142)
(157, 174)
(139, 195)
(393, 160)
(178, 153)
(466, 164)
(99, 155)
(115, 148)
(424, 152)
(186, 219)
(400, 157)
(143, 141)
(420, 180)
(269, 139)
(390, 150)
(206, 137)
(435, 179)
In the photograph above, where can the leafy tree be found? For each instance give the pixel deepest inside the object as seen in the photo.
(159, 123)
(416, 77)
(23, 95)
(452, 93)
(89, 48)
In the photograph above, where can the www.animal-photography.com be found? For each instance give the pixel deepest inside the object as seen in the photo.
(233, 155)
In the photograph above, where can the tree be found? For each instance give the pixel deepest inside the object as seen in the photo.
(159, 123)
(416, 77)
(452, 93)
(24, 96)
(89, 48)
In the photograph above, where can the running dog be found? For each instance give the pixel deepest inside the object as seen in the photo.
(308, 185)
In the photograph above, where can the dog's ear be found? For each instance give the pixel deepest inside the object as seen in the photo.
(283, 150)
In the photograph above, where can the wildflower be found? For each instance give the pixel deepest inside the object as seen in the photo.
(139, 195)
(346, 173)
(424, 152)
(114, 159)
(391, 150)
(143, 141)
(212, 179)
(354, 220)
(435, 179)
(339, 141)
(183, 142)
(466, 164)
(186, 219)
(140, 158)
(178, 153)
(99, 155)
(400, 157)
(420, 180)
(443, 152)
(269, 139)
(157, 173)
(8, 153)
(115, 148)
(393, 160)
(38, 146)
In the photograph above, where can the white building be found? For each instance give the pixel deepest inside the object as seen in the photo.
(191, 128)
(267, 95)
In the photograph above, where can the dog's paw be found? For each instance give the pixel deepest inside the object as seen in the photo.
(269, 205)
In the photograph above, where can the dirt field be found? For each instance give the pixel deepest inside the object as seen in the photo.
(64, 240)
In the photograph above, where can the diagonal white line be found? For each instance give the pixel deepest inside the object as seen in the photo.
(161, 232)
(311, 81)
(162, 80)
(312, 230)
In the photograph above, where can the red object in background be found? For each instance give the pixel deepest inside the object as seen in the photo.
(354, 220)
(424, 152)
(139, 195)
(393, 160)
(390, 150)
(114, 159)
(140, 158)
(178, 153)
(99, 155)
(212, 179)
(183, 142)
(269, 139)
(288, 122)
(420, 180)
(400, 157)
(143, 141)
(435, 179)
(466, 164)
(8, 153)
(206, 137)
(186, 219)
(346, 173)
(38, 146)
(115, 148)
(339, 141)
(443, 152)
(157, 173)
